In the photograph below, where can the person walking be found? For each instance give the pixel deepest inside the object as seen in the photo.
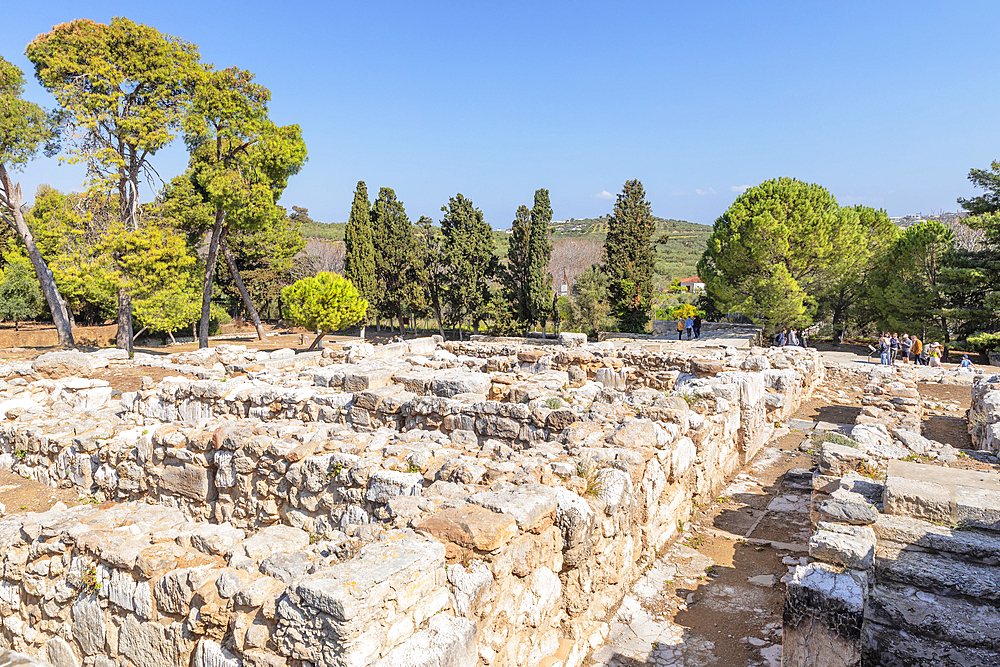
(804, 338)
(680, 328)
(893, 349)
(916, 349)
(697, 326)
(783, 338)
(689, 327)
(904, 348)
(792, 338)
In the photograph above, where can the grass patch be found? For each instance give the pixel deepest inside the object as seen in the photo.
(588, 469)
(696, 541)
(833, 438)
(553, 403)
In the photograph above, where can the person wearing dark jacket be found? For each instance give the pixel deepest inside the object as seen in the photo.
(697, 326)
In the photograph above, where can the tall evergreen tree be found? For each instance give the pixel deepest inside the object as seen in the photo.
(468, 250)
(518, 259)
(431, 269)
(538, 289)
(359, 257)
(628, 257)
(394, 255)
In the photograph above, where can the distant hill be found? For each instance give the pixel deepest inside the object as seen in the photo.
(577, 244)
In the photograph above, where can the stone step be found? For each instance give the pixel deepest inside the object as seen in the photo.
(949, 619)
(938, 573)
(884, 645)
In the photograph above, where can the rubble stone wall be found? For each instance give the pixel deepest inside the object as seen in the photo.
(984, 413)
(404, 503)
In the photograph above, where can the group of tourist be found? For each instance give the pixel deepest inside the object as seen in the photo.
(909, 349)
(690, 326)
(792, 337)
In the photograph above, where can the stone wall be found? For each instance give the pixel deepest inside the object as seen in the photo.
(904, 555)
(984, 413)
(409, 502)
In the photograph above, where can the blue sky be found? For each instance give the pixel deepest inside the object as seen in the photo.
(886, 104)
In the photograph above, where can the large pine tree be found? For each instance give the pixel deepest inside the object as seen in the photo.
(628, 257)
(394, 255)
(359, 257)
(539, 282)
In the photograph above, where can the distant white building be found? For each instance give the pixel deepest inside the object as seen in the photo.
(692, 284)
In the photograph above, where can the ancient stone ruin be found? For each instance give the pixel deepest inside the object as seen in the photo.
(419, 503)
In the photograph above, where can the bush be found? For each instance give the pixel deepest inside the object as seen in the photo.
(984, 342)
(325, 302)
(20, 294)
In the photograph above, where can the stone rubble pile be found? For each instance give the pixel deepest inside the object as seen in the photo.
(414, 503)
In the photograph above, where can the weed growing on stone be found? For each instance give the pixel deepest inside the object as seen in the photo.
(413, 467)
(87, 582)
(588, 469)
(20, 454)
(334, 470)
(553, 403)
(696, 541)
(918, 458)
(870, 470)
(711, 570)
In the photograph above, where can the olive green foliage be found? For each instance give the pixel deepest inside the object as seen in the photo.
(906, 288)
(325, 302)
(20, 295)
(628, 258)
(785, 247)
(971, 277)
(24, 126)
(123, 90)
(985, 342)
(468, 252)
(589, 307)
(359, 244)
(430, 270)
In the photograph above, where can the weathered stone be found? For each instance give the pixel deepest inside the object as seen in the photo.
(453, 384)
(188, 480)
(387, 484)
(63, 364)
(840, 549)
(570, 339)
(469, 526)
(526, 504)
(847, 512)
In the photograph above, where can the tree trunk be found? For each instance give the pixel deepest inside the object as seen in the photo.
(399, 317)
(139, 333)
(437, 316)
(362, 335)
(243, 290)
(172, 341)
(12, 194)
(316, 342)
(206, 291)
(123, 337)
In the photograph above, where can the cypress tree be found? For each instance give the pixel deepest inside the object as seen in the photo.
(359, 257)
(538, 289)
(394, 255)
(628, 257)
(518, 253)
(468, 249)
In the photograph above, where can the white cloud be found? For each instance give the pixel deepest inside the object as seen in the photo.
(739, 188)
(699, 191)
(604, 194)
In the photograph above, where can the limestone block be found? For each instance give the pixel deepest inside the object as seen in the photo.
(88, 625)
(58, 653)
(917, 498)
(823, 616)
(851, 513)
(943, 574)
(453, 384)
(371, 399)
(175, 589)
(63, 364)
(571, 339)
(682, 458)
(447, 641)
(387, 484)
(154, 645)
(270, 540)
(495, 426)
(557, 420)
(216, 539)
(422, 346)
(211, 654)
(634, 433)
(469, 526)
(527, 504)
(187, 479)
(611, 378)
(840, 549)
(467, 584)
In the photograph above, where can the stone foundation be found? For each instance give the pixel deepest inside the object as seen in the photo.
(403, 504)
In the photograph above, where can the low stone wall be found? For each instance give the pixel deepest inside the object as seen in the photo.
(406, 504)
(984, 413)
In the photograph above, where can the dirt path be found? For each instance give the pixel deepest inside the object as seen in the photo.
(716, 595)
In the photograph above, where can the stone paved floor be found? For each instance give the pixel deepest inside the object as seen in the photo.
(715, 597)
